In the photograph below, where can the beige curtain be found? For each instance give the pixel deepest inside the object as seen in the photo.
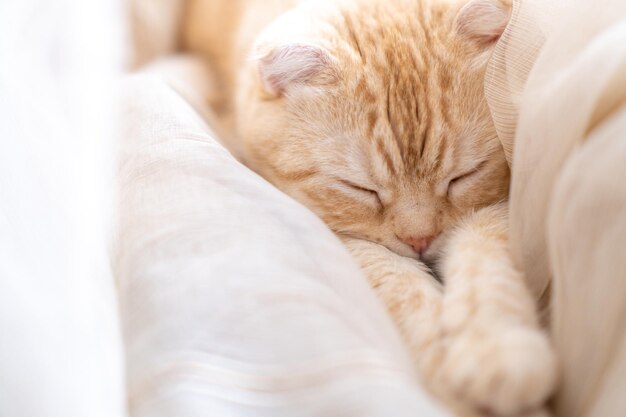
(557, 87)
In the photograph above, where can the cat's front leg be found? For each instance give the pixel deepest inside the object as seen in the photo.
(412, 297)
(497, 357)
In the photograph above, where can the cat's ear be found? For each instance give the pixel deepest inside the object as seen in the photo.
(295, 64)
(483, 21)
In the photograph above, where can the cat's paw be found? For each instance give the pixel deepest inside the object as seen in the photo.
(507, 373)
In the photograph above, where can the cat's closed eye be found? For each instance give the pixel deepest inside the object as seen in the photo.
(364, 191)
(466, 175)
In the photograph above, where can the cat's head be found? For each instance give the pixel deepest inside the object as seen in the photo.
(373, 115)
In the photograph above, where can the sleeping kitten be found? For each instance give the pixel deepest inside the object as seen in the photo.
(372, 114)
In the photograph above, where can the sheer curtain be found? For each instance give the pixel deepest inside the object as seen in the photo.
(60, 344)
(557, 88)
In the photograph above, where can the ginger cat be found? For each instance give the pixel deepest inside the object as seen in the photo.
(372, 114)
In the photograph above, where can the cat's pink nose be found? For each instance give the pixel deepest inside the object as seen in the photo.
(419, 244)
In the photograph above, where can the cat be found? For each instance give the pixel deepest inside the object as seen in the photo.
(372, 114)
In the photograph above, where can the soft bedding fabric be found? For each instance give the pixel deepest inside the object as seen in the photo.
(236, 300)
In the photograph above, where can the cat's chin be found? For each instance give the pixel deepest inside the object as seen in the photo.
(434, 253)
(430, 258)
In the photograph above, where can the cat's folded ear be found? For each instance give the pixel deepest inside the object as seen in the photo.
(284, 66)
(483, 21)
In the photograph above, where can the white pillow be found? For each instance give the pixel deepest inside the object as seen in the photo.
(236, 300)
